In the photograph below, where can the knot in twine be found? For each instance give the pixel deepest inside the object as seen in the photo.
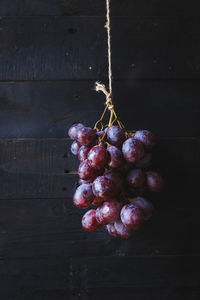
(101, 87)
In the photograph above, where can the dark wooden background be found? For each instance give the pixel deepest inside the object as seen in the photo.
(51, 52)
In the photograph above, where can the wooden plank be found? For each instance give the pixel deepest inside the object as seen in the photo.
(89, 7)
(31, 168)
(36, 167)
(96, 278)
(142, 47)
(52, 228)
(47, 109)
(138, 278)
(41, 279)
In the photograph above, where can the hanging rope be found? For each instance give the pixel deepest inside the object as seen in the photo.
(99, 86)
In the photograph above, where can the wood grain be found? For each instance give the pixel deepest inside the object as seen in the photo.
(51, 52)
(91, 8)
(36, 167)
(142, 47)
(157, 278)
(50, 228)
(41, 279)
(44, 168)
(47, 109)
(145, 278)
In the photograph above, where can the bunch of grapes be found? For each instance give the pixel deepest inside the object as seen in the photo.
(113, 177)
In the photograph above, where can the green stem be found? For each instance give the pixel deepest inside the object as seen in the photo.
(111, 117)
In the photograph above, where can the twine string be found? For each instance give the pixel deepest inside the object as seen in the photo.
(99, 86)
(109, 45)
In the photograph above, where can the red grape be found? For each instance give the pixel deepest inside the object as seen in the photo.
(85, 170)
(132, 150)
(144, 205)
(136, 178)
(133, 192)
(126, 167)
(86, 136)
(112, 173)
(104, 188)
(111, 230)
(116, 157)
(131, 216)
(82, 181)
(98, 157)
(115, 135)
(145, 161)
(99, 218)
(73, 130)
(83, 196)
(100, 133)
(83, 153)
(146, 137)
(154, 181)
(75, 146)
(97, 201)
(110, 211)
(89, 221)
(121, 230)
(116, 179)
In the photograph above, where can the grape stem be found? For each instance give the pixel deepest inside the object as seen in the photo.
(111, 117)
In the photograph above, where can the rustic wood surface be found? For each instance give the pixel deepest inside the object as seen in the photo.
(97, 7)
(43, 47)
(45, 168)
(51, 53)
(47, 109)
(102, 278)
